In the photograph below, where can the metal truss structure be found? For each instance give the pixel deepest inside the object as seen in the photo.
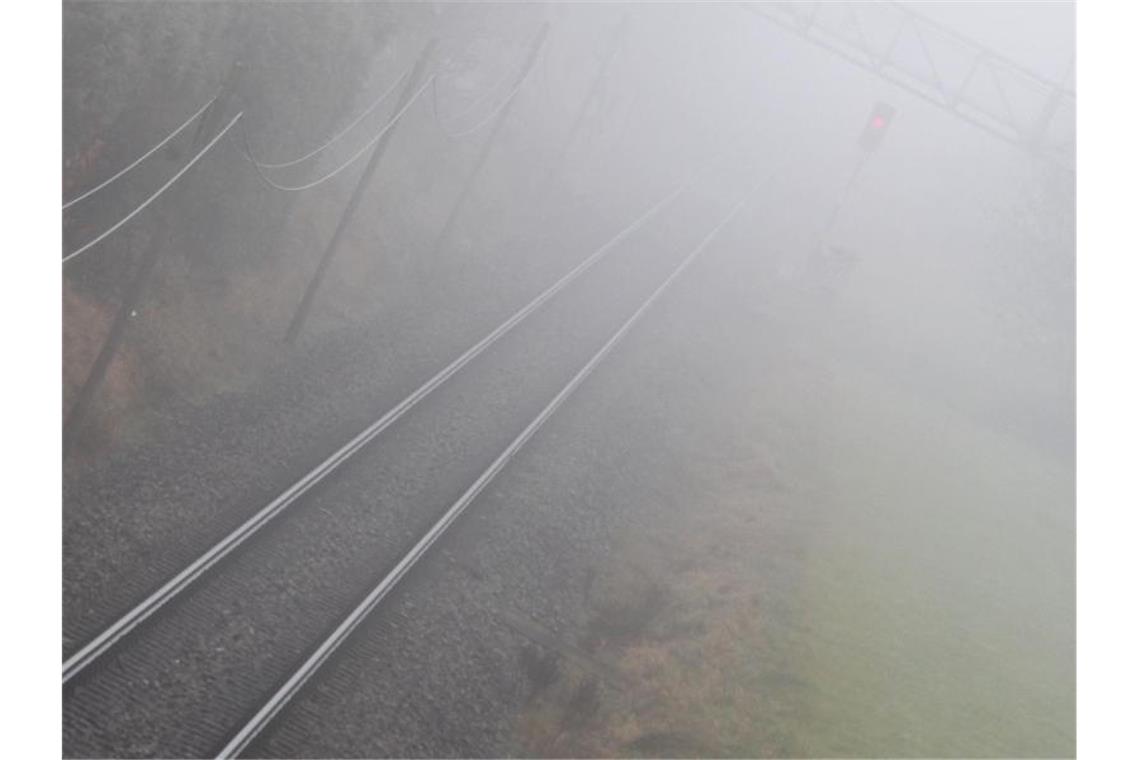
(943, 67)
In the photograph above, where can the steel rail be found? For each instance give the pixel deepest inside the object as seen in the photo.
(157, 193)
(324, 650)
(140, 159)
(171, 588)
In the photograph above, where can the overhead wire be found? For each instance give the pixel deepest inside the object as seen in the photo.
(338, 135)
(160, 191)
(478, 101)
(297, 188)
(141, 158)
(486, 119)
(258, 165)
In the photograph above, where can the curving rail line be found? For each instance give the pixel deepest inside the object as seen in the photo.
(340, 634)
(89, 653)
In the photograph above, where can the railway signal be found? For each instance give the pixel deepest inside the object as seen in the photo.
(876, 127)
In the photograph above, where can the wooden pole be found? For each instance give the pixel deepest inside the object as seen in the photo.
(469, 183)
(306, 304)
(73, 424)
(618, 40)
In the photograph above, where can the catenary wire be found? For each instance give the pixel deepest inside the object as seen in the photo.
(478, 101)
(486, 119)
(338, 135)
(140, 159)
(160, 191)
(298, 188)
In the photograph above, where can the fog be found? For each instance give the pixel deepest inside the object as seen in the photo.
(785, 469)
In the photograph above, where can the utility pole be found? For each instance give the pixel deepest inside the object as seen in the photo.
(227, 98)
(469, 183)
(208, 124)
(617, 41)
(306, 304)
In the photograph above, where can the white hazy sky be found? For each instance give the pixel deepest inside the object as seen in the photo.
(1038, 35)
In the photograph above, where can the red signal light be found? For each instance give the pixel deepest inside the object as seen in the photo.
(876, 126)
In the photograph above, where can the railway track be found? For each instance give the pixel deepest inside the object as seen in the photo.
(205, 662)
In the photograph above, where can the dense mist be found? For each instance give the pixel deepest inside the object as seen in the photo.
(732, 345)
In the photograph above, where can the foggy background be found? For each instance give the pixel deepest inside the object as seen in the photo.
(896, 391)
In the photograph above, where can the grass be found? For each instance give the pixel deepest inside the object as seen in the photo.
(853, 569)
(941, 593)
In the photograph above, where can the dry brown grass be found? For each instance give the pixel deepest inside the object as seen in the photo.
(676, 611)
